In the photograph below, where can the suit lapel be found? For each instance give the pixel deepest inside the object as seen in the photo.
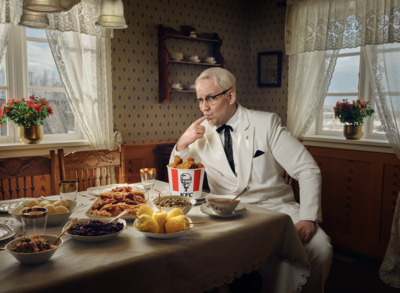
(245, 150)
(218, 154)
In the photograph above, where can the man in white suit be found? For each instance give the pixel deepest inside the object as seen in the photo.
(262, 150)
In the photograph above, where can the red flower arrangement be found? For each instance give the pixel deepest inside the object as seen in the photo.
(25, 113)
(353, 113)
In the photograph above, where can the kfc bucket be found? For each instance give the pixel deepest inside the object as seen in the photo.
(186, 182)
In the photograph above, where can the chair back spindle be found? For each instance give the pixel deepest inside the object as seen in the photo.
(33, 176)
(91, 168)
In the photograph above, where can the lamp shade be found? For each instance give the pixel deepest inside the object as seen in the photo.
(66, 5)
(42, 6)
(34, 19)
(112, 14)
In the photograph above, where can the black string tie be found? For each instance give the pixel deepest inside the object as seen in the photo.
(228, 144)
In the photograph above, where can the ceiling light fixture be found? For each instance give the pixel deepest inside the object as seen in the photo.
(66, 5)
(34, 19)
(112, 14)
(43, 6)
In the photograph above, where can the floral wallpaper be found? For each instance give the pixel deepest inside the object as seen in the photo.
(246, 28)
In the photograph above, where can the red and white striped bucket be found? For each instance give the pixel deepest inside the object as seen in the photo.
(186, 182)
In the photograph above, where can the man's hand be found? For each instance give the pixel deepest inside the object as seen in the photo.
(193, 133)
(305, 230)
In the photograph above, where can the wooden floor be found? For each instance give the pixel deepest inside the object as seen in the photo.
(355, 274)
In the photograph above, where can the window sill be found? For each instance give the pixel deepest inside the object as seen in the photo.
(43, 148)
(369, 145)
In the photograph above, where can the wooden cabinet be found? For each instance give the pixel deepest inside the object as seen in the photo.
(359, 193)
(213, 48)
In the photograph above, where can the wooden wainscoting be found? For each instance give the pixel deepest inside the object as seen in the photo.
(146, 155)
(359, 194)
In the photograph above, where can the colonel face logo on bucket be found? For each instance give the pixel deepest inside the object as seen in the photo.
(186, 180)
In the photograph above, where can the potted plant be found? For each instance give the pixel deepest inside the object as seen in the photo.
(352, 115)
(28, 115)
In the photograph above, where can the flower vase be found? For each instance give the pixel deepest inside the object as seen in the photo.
(353, 131)
(31, 135)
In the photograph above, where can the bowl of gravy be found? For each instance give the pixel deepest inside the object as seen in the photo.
(222, 204)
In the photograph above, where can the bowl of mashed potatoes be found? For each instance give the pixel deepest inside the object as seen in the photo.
(58, 211)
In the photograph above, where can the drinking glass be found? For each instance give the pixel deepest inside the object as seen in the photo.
(148, 177)
(34, 220)
(68, 189)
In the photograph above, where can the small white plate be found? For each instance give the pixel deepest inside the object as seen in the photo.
(206, 209)
(96, 238)
(6, 232)
(100, 189)
(164, 235)
(8, 205)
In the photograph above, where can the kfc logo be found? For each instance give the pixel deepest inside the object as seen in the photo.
(186, 180)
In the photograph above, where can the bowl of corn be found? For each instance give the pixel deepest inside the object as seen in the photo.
(161, 224)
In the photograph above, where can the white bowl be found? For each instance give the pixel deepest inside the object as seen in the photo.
(176, 56)
(194, 58)
(210, 60)
(184, 209)
(35, 257)
(225, 205)
(53, 219)
(176, 85)
(96, 238)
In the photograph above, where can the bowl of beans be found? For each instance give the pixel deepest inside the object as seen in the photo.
(168, 202)
(33, 249)
(95, 229)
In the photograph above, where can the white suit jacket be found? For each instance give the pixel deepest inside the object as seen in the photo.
(265, 150)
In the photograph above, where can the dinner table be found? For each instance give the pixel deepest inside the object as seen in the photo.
(210, 255)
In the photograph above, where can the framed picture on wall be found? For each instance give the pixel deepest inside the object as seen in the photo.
(269, 69)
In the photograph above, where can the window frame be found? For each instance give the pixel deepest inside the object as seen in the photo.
(316, 132)
(16, 58)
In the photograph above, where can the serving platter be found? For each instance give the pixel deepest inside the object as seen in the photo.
(10, 204)
(90, 215)
(206, 209)
(100, 189)
(6, 232)
(164, 235)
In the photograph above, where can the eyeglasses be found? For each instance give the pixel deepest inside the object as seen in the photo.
(210, 100)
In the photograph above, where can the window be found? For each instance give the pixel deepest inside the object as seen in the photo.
(28, 68)
(349, 81)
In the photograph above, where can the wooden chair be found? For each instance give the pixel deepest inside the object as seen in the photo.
(91, 168)
(28, 176)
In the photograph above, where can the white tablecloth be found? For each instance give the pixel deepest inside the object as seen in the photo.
(210, 255)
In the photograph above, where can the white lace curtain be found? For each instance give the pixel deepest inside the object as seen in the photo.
(383, 69)
(81, 51)
(313, 26)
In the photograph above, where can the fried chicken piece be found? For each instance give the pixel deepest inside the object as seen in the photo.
(200, 165)
(187, 165)
(177, 161)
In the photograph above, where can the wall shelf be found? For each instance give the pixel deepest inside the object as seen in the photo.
(164, 33)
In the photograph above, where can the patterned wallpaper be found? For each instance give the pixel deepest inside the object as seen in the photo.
(246, 27)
